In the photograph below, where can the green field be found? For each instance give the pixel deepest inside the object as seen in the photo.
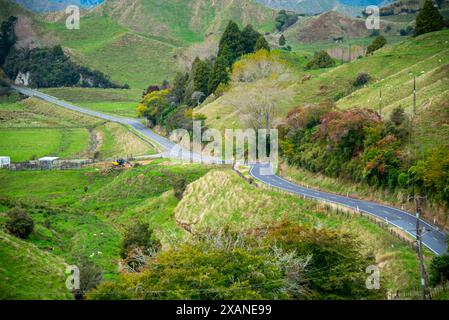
(32, 129)
(114, 101)
(26, 144)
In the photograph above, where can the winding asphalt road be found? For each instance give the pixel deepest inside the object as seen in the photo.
(433, 238)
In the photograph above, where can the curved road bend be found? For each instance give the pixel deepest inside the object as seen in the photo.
(433, 238)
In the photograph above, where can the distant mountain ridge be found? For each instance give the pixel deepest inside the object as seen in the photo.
(42, 6)
(348, 7)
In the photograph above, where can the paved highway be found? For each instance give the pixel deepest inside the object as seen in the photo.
(433, 238)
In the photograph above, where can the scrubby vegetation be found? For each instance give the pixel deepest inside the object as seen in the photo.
(377, 43)
(226, 265)
(19, 223)
(50, 67)
(356, 144)
(320, 60)
(171, 106)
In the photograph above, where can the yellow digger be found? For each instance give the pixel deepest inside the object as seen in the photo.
(121, 163)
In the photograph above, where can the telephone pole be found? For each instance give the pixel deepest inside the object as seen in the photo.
(380, 101)
(425, 293)
(414, 96)
(424, 281)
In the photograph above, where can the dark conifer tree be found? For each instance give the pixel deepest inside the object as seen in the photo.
(262, 43)
(249, 39)
(429, 19)
(231, 44)
(7, 38)
(219, 74)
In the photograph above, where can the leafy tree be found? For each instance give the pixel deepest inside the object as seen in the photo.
(321, 59)
(231, 45)
(19, 223)
(219, 75)
(377, 43)
(262, 44)
(285, 20)
(429, 19)
(439, 270)
(139, 235)
(337, 266)
(432, 174)
(155, 107)
(282, 41)
(7, 37)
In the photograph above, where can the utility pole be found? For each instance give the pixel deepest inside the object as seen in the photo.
(424, 283)
(414, 96)
(380, 101)
(425, 293)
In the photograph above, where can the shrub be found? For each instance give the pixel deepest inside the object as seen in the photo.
(439, 270)
(361, 79)
(377, 43)
(91, 276)
(179, 187)
(19, 223)
(282, 41)
(398, 116)
(321, 59)
(139, 236)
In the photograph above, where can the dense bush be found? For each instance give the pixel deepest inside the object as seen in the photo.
(19, 223)
(286, 261)
(139, 235)
(7, 38)
(50, 67)
(336, 269)
(180, 187)
(90, 275)
(321, 59)
(361, 79)
(377, 43)
(285, 19)
(352, 144)
(439, 270)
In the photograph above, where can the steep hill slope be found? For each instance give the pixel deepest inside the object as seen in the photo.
(391, 68)
(27, 272)
(350, 7)
(140, 41)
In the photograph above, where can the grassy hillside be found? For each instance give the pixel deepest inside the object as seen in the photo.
(27, 272)
(426, 57)
(84, 212)
(32, 128)
(72, 222)
(222, 198)
(137, 42)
